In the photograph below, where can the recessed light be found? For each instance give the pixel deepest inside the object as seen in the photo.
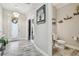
(16, 14)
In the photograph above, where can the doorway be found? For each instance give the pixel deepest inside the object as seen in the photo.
(29, 29)
(18, 30)
(14, 31)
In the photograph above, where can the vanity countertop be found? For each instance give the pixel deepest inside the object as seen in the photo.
(71, 46)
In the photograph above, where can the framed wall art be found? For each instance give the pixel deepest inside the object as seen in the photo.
(41, 15)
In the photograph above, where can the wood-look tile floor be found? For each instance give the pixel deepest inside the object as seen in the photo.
(21, 48)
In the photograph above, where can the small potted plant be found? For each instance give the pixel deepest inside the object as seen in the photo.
(3, 41)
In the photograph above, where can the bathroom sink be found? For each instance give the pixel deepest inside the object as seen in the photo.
(61, 41)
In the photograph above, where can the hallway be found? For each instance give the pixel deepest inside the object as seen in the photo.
(14, 20)
(21, 48)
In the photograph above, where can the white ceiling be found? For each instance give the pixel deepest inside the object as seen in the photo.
(22, 8)
(60, 5)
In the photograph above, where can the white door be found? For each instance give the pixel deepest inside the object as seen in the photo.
(14, 31)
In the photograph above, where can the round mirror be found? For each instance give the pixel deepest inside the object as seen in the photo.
(15, 20)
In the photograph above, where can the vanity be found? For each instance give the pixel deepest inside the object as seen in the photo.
(58, 47)
(61, 48)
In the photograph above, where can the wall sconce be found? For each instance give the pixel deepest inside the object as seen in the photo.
(16, 14)
(77, 9)
(68, 18)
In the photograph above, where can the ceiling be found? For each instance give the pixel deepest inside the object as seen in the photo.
(60, 5)
(22, 8)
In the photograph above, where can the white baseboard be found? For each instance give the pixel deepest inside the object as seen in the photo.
(40, 50)
(10, 39)
(21, 38)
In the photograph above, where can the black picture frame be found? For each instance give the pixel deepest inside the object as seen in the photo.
(41, 15)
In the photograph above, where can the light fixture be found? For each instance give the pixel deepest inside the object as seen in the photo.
(15, 17)
(16, 14)
(61, 21)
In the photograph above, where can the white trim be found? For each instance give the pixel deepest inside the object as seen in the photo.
(10, 39)
(40, 50)
(21, 38)
(18, 38)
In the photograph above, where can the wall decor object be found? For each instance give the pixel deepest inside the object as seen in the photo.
(60, 21)
(41, 15)
(14, 20)
(53, 21)
(68, 18)
(77, 9)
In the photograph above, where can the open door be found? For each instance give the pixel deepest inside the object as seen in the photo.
(14, 31)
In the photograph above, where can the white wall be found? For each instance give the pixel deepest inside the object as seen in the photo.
(68, 28)
(43, 32)
(54, 26)
(1, 18)
(7, 23)
(22, 27)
